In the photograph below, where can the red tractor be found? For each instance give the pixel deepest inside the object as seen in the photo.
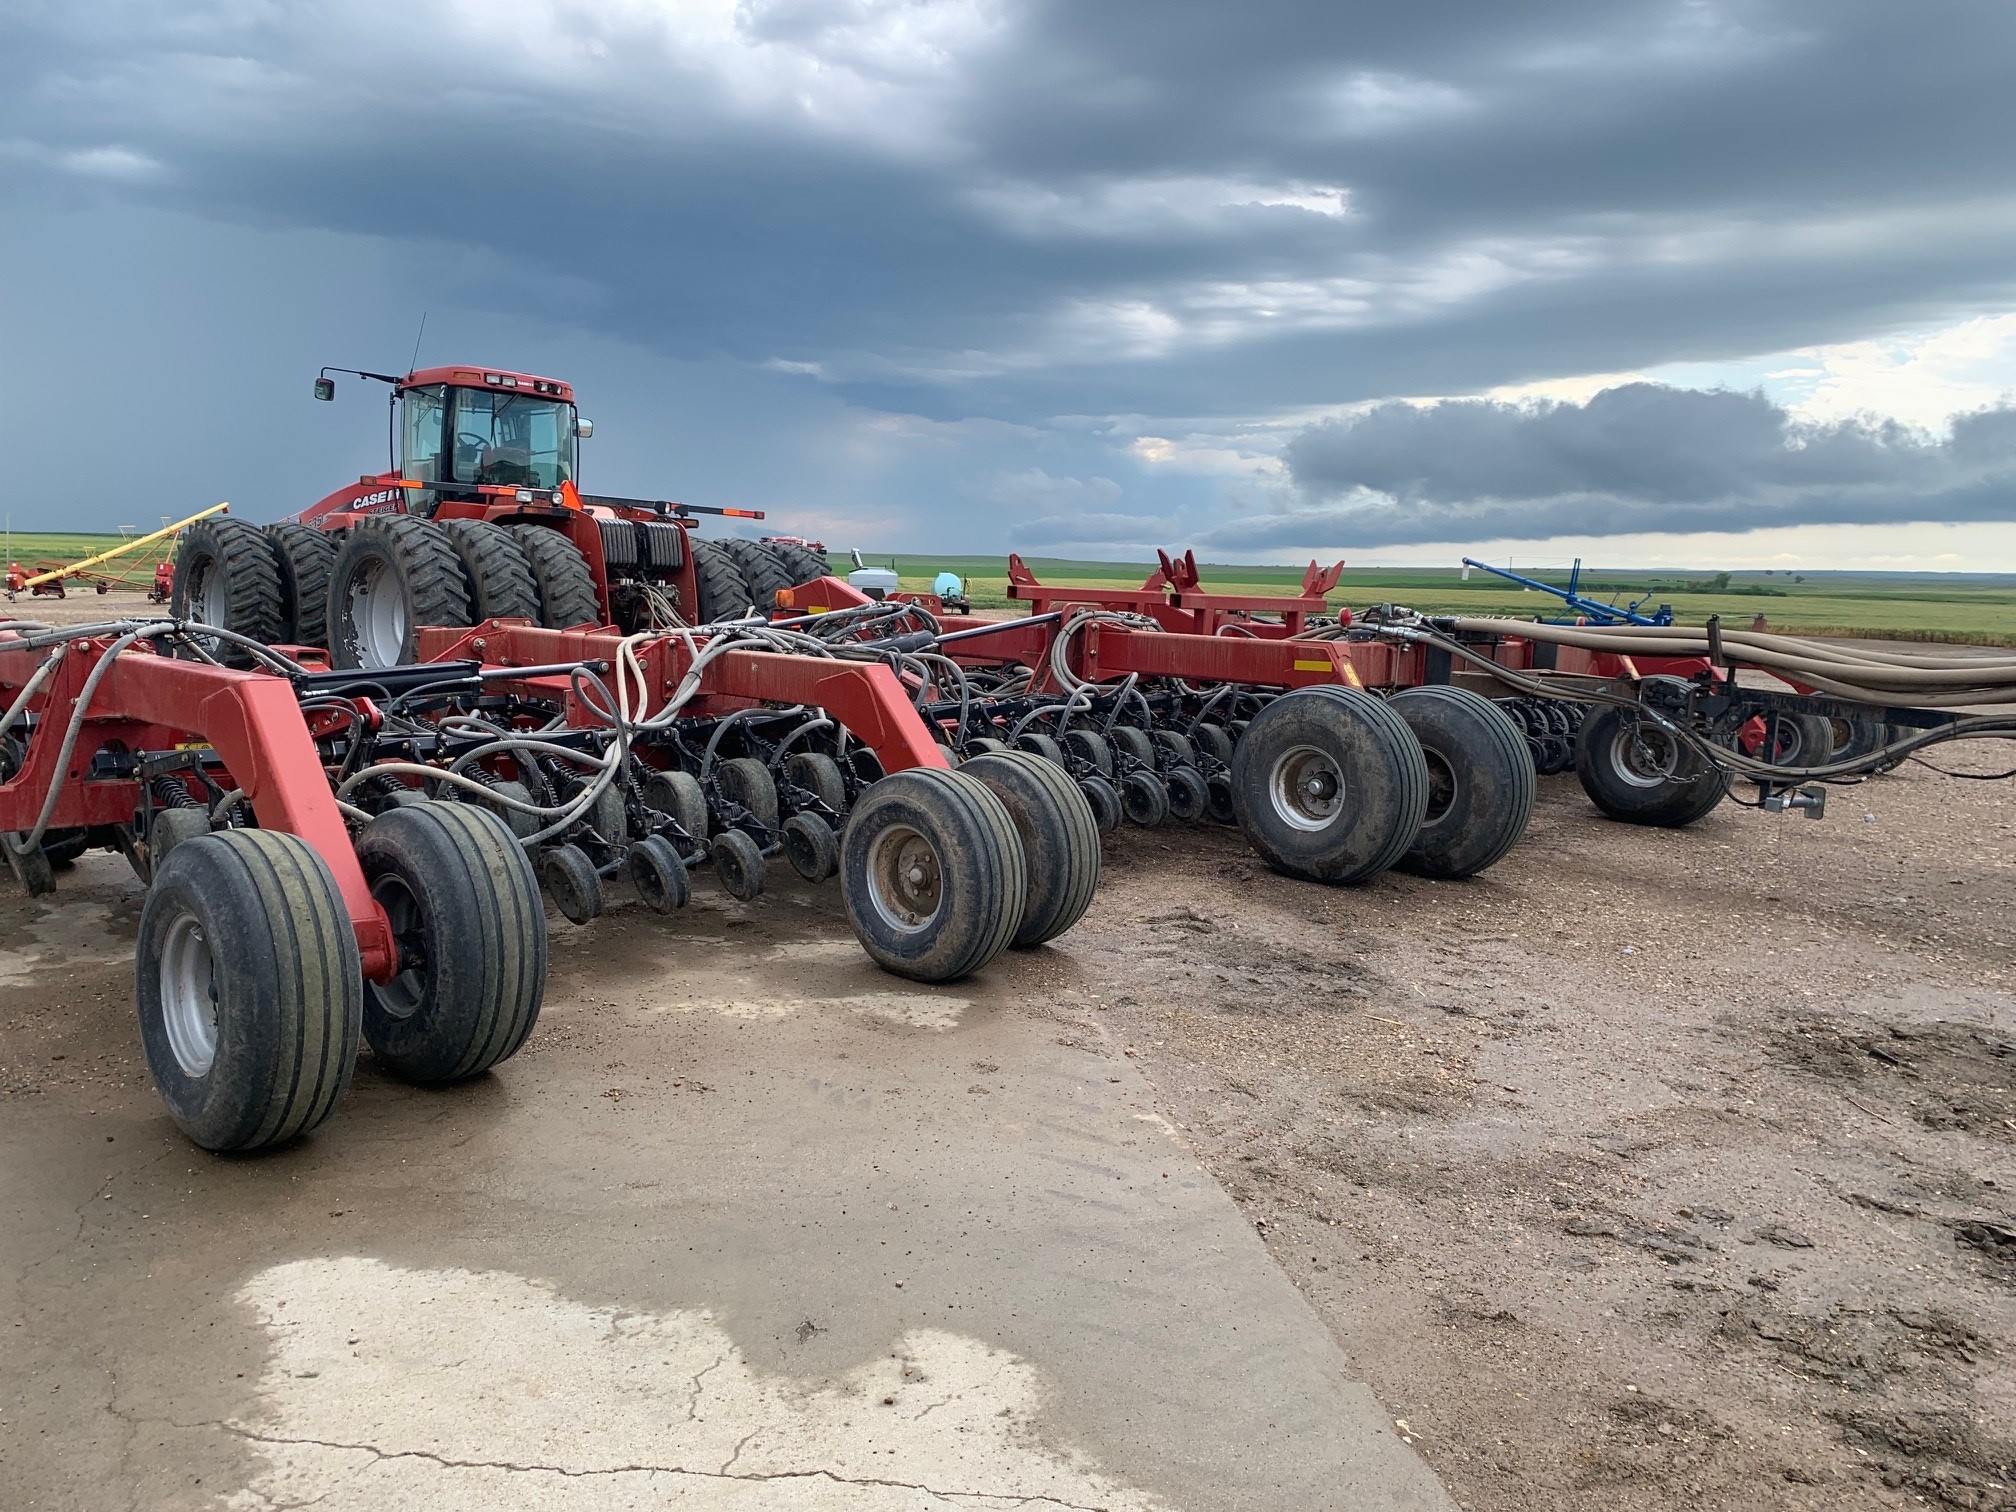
(479, 517)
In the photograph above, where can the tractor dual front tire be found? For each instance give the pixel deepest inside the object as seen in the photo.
(227, 575)
(1329, 784)
(565, 582)
(304, 556)
(250, 993)
(932, 874)
(501, 585)
(723, 592)
(392, 575)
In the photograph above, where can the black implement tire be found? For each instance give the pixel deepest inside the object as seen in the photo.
(1036, 743)
(762, 570)
(304, 556)
(1213, 741)
(566, 585)
(1189, 794)
(501, 585)
(1132, 740)
(1144, 798)
(571, 882)
(984, 745)
(738, 862)
(1173, 749)
(1060, 840)
(1089, 746)
(811, 847)
(465, 911)
(1329, 784)
(659, 874)
(1854, 738)
(226, 575)
(819, 775)
(745, 780)
(169, 828)
(932, 874)
(1104, 799)
(1652, 779)
(1801, 740)
(1481, 781)
(250, 992)
(723, 592)
(803, 563)
(680, 795)
(392, 575)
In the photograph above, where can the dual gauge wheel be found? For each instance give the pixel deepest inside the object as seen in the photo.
(252, 998)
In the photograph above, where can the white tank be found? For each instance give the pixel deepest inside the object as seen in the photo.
(876, 582)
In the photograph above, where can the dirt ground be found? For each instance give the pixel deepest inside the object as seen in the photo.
(1650, 1170)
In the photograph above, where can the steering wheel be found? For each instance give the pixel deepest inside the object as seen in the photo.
(470, 438)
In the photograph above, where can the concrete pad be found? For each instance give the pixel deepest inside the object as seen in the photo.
(748, 1224)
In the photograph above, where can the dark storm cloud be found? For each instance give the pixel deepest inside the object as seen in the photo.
(1634, 459)
(1022, 210)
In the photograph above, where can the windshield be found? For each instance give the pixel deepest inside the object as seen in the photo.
(512, 439)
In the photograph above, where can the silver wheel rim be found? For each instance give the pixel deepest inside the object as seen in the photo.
(1307, 789)
(189, 996)
(213, 598)
(378, 616)
(905, 881)
(1643, 756)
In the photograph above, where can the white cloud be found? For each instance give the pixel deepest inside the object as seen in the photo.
(1034, 489)
(1922, 379)
(1134, 208)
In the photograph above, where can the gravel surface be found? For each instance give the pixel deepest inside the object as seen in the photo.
(1650, 1170)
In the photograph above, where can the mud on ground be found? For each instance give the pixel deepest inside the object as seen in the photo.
(1650, 1170)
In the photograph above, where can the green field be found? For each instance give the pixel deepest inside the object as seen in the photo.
(1968, 607)
(1977, 608)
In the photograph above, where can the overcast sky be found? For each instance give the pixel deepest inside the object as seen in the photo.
(1654, 281)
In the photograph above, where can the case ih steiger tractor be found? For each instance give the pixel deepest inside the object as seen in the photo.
(478, 517)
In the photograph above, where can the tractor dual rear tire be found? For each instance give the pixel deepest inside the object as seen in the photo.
(1481, 782)
(932, 874)
(566, 584)
(762, 570)
(1059, 835)
(304, 556)
(392, 575)
(465, 908)
(250, 993)
(227, 574)
(1329, 784)
(1641, 775)
(803, 563)
(718, 583)
(501, 585)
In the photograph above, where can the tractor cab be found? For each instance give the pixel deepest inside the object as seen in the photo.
(476, 426)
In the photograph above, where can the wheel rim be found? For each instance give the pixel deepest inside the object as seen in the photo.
(904, 879)
(212, 596)
(1644, 757)
(1441, 785)
(377, 616)
(189, 996)
(401, 997)
(1307, 789)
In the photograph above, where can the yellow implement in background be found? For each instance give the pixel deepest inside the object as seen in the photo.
(125, 546)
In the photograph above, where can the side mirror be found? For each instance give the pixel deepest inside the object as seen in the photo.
(325, 388)
(584, 428)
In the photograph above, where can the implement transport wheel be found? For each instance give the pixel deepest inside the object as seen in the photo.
(250, 993)
(1853, 738)
(565, 583)
(304, 556)
(1800, 740)
(932, 873)
(723, 592)
(1329, 784)
(659, 875)
(226, 575)
(394, 574)
(811, 847)
(1104, 800)
(1060, 840)
(500, 578)
(1635, 771)
(471, 936)
(1481, 781)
